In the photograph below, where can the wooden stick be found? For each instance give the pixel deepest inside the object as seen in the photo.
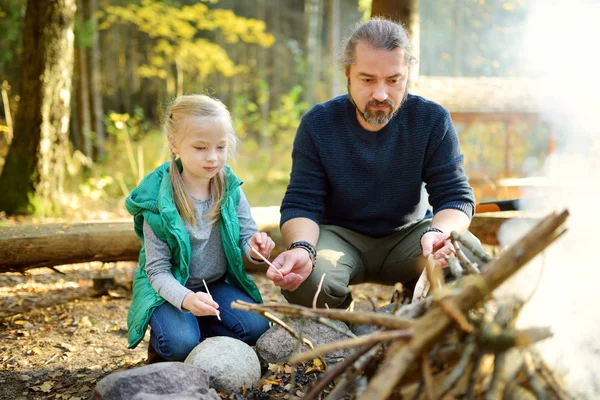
(458, 371)
(369, 318)
(427, 377)
(333, 372)
(473, 247)
(367, 340)
(433, 324)
(350, 378)
(288, 329)
(208, 292)
(530, 372)
(434, 274)
(473, 375)
(314, 303)
(267, 261)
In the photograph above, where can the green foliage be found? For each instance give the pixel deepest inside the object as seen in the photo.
(137, 148)
(472, 37)
(142, 150)
(11, 24)
(484, 147)
(84, 33)
(179, 36)
(364, 6)
(266, 170)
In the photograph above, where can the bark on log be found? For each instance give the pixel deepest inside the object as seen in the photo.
(34, 246)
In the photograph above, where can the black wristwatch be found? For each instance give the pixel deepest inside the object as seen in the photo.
(302, 244)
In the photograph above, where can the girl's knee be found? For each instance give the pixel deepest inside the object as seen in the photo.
(256, 328)
(177, 349)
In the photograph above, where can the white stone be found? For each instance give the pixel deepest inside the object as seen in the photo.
(229, 363)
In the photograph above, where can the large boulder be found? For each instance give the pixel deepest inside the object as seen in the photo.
(276, 344)
(229, 363)
(168, 380)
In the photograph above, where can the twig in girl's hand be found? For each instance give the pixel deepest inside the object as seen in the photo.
(208, 292)
(267, 261)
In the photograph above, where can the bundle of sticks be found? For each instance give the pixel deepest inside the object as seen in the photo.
(457, 342)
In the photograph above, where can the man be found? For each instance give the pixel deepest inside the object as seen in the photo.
(355, 208)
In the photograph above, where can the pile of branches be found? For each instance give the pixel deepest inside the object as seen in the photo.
(457, 341)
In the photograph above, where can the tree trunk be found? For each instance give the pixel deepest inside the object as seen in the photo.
(406, 12)
(33, 246)
(83, 92)
(275, 54)
(313, 41)
(262, 97)
(35, 161)
(97, 108)
(334, 45)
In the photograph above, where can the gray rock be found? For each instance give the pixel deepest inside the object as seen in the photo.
(229, 363)
(409, 311)
(168, 380)
(276, 344)
(364, 329)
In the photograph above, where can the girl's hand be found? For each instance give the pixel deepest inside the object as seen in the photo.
(200, 304)
(263, 244)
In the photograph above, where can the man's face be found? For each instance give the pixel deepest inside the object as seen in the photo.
(377, 84)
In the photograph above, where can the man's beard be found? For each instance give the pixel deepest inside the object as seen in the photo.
(378, 118)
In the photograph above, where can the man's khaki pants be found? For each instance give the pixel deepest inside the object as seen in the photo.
(349, 258)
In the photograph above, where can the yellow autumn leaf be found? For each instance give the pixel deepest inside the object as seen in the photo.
(271, 382)
(266, 388)
(275, 368)
(289, 369)
(316, 367)
(47, 386)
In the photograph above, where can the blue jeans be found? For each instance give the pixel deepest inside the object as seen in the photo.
(175, 333)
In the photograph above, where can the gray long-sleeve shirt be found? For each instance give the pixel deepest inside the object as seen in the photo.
(208, 260)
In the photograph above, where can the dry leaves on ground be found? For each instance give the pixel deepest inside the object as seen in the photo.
(59, 336)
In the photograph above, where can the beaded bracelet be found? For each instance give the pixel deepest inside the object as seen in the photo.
(312, 252)
(431, 229)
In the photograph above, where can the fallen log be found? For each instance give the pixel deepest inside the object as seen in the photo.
(34, 246)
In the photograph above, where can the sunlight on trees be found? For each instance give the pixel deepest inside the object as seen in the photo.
(177, 35)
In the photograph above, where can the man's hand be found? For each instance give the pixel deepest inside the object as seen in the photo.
(439, 245)
(200, 304)
(295, 266)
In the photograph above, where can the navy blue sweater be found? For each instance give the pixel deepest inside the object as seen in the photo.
(372, 182)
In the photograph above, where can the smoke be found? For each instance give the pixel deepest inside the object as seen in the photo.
(561, 51)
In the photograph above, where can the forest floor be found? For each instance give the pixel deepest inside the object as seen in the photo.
(59, 336)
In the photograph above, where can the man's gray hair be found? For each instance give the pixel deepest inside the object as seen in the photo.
(378, 33)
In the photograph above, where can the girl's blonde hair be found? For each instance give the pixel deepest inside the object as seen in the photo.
(218, 117)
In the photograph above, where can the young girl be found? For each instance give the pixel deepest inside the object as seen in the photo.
(195, 222)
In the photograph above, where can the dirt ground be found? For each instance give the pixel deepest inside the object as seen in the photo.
(59, 336)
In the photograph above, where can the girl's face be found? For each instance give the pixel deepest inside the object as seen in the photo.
(202, 148)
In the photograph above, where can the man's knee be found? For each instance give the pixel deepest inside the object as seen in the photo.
(334, 292)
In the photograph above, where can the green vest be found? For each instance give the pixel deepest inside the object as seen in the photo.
(152, 201)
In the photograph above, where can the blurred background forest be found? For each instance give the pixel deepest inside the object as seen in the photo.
(268, 61)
